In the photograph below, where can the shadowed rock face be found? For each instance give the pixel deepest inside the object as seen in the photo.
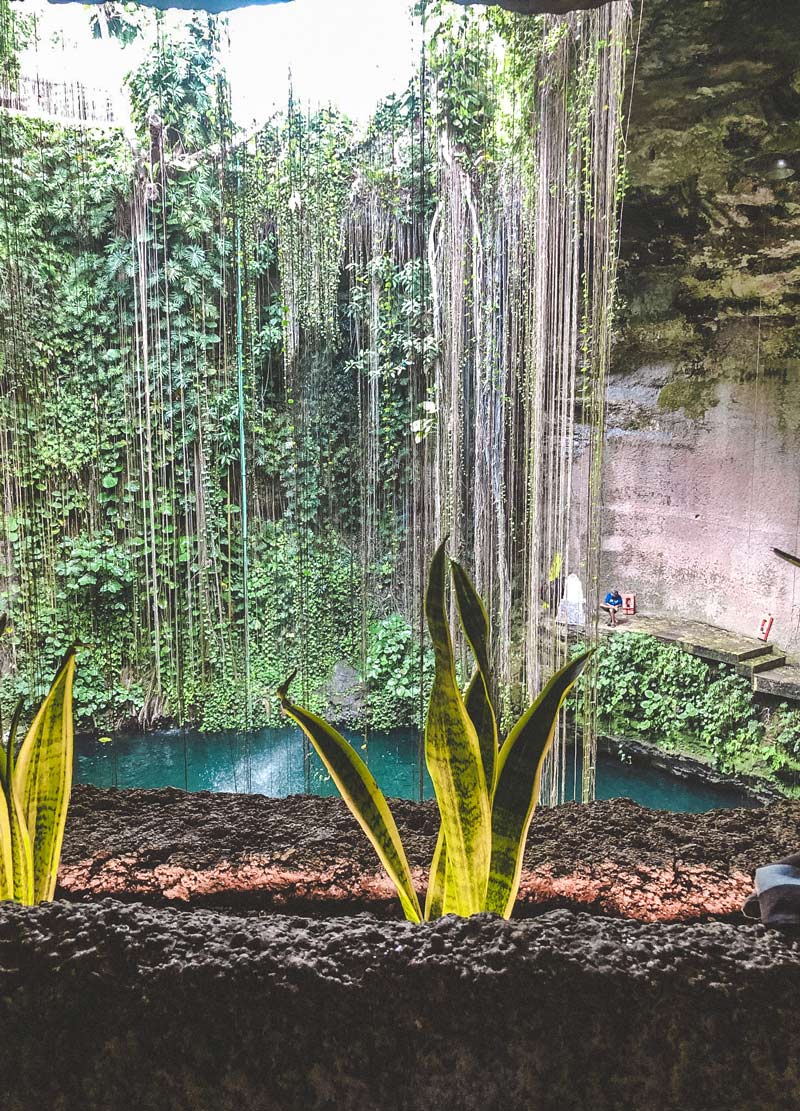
(703, 430)
(108, 1007)
(307, 855)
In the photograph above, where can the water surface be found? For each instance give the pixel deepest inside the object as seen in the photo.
(274, 762)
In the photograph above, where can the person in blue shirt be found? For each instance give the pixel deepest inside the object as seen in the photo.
(612, 606)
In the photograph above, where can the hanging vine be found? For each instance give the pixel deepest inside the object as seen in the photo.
(247, 380)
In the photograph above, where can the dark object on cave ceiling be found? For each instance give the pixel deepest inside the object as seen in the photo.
(557, 7)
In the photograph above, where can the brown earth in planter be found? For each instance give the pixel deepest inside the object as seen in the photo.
(307, 855)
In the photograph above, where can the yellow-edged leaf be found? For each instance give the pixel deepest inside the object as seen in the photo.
(365, 799)
(6, 857)
(19, 841)
(22, 854)
(455, 764)
(42, 779)
(441, 897)
(519, 778)
(434, 900)
(478, 700)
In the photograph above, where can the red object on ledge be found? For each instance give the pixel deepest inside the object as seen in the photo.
(629, 604)
(765, 628)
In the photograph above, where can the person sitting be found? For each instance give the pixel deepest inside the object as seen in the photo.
(612, 606)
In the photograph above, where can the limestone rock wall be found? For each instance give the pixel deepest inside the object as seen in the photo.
(702, 465)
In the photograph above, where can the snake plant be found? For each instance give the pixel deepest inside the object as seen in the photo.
(486, 792)
(35, 784)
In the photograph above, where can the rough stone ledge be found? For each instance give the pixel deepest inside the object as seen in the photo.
(307, 855)
(113, 1006)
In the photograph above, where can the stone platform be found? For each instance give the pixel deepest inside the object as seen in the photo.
(767, 668)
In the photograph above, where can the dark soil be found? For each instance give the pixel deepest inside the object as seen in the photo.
(117, 1007)
(308, 855)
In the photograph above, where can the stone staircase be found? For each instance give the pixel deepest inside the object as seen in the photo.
(767, 668)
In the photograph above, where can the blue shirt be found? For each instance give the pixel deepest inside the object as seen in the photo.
(611, 600)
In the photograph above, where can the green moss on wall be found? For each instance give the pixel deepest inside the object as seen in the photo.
(712, 218)
(692, 395)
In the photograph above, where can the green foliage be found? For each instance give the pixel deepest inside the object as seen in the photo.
(120, 277)
(485, 817)
(779, 750)
(97, 570)
(678, 701)
(118, 283)
(465, 74)
(180, 84)
(120, 21)
(397, 679)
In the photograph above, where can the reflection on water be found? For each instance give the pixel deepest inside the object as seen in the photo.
(273, 762)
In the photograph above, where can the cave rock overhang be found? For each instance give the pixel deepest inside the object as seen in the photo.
(530, 7)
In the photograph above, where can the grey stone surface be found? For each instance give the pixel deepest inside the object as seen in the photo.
(108, 1007)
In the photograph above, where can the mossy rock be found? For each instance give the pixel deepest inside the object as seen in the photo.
(692, 395)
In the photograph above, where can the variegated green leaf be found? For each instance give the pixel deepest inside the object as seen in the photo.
(365, 799)
(22, 853)
(519, 778)
(42, 779)
(475, 623)
(6, 855)
(453, 757)
(794, 560)
(20, 842)
(442, 895)
(434, 900)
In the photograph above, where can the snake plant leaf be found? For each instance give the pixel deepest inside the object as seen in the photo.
(442, 894)
(19, 840)
(475, 623)
(365, 799)
(794, 560)
(7, 886)
(42, 778)
(21, 851)
(7, 871)
(455, 764)
(434, 900)
(519, 777)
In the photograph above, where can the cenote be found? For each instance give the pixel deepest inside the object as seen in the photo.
(429, 366)
(273, 762)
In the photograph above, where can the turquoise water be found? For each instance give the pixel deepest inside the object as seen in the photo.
(274, 762)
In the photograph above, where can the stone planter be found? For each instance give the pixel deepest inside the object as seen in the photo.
(113, 1005)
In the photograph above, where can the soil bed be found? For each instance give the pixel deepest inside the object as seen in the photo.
(307, 855)
(112, 1006)
(109, 1004)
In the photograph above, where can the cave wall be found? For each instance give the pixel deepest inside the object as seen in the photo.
(702, 463)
